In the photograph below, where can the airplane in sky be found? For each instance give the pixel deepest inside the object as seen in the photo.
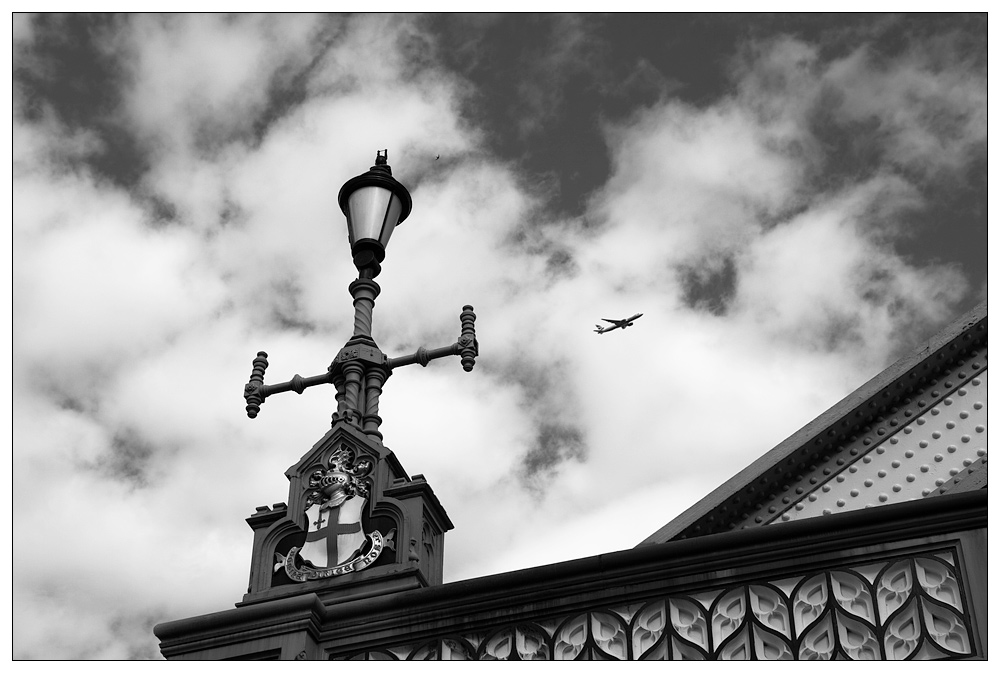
(626, 322)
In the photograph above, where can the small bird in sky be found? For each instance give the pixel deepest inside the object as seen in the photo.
(437, 157)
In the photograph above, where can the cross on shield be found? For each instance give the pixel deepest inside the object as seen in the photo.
(335, 533)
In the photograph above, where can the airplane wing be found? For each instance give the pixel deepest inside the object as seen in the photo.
(615, 322)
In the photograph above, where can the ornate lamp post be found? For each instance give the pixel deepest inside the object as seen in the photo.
(375, 203)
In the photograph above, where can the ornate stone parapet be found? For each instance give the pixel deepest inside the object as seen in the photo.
(904, 581)
(891, 586)
(891, 609)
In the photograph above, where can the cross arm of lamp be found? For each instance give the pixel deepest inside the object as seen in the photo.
(255, 392)
(467, 346)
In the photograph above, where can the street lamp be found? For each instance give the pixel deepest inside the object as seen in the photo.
(375, 203)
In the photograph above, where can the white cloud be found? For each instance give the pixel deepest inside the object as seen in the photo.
(112, 283)
(198, 77)
(689, 187)
(850, 294)
(922, 108)
(931, 110)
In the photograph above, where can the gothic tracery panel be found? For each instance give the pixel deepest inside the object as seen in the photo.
(901, 608)
(648, 628)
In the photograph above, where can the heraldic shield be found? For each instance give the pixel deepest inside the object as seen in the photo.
(336, 542)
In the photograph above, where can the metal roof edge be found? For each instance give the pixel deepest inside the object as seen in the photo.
(837, 413)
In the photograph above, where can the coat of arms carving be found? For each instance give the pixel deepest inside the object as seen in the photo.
(336, 542)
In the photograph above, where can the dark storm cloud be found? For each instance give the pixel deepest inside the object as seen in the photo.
(560, 264)
(71, 69)
(563, 92)
(128, 458)
(556, 79)
(77, 68)
(286, 90)
(232, 214)
(67, 65)
(289, 88)
(78, 387)
(840, 331)
(161, 211)
(284, 305)
(554, 443)
(75, 398)
(532, 237)
(551, 406)
(904, 96)
(529, 70)
(709, 287)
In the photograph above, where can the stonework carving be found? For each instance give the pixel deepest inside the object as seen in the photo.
(909, 608)
(572, 638)
(336, 542)
(649, 627)
(524, 642)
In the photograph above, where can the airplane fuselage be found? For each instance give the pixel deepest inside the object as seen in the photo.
(615, 324)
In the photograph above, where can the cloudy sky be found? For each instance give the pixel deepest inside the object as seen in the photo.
(792, 201)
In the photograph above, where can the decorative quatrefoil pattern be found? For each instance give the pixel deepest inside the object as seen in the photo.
(903, 608)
